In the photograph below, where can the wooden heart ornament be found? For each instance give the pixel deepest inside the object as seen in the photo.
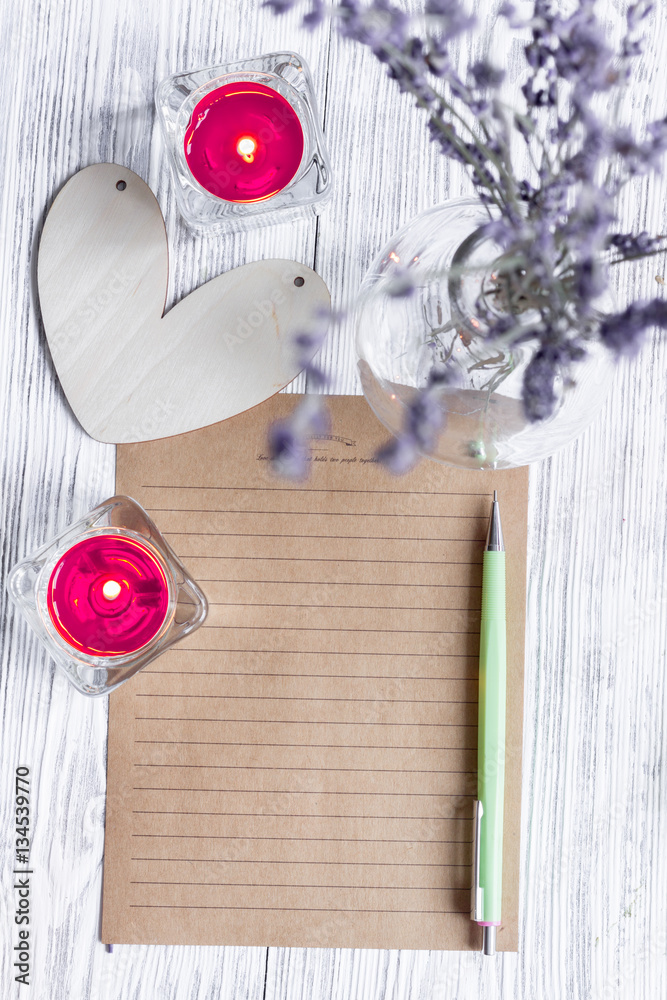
(131, 373)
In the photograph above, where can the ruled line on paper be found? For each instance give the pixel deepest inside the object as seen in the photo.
(298, 791)
(311, 513)
(294, 840)
(310, 489)
(319, 537)
(253, 697)
(345, 583)
(301, 746)
(197, 812)
(299, 722)
(311, 607)
(313, 652)
(281, 909)
(255, 861)
(317, 559)
(258, 673)
(303, 628)
(337, 770)
(301, 885)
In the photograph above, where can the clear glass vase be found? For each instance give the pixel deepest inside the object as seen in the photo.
(449, 266)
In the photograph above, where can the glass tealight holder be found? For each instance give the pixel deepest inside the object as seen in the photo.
(244, 143)
(107, 596)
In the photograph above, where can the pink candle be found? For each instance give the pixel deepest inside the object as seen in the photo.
(244, 142)
(108, 595)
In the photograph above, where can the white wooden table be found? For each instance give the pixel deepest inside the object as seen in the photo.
(79, 83)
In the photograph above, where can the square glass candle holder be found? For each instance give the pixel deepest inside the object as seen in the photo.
(107, 596)
(244, 143)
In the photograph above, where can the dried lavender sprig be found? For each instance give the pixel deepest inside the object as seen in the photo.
(384, 28)
(289, 439)
(424, 420)
(557, 240)
(633, 246)
(624, 332)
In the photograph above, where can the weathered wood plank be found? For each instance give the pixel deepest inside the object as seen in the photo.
(594, 834)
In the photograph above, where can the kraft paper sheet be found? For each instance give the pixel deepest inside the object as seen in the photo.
(301, 770)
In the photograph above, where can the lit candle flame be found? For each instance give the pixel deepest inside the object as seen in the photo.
(110, 590)
(246, 147)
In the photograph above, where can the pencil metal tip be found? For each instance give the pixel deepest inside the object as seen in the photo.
(495, 496)
(489, 940)
(494, 536)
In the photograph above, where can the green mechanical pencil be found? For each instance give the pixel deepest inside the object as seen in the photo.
(488, 830)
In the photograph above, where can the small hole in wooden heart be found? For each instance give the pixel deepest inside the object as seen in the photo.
(121, 185)
(298, 282)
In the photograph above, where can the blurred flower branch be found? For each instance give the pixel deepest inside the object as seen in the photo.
(556, 224)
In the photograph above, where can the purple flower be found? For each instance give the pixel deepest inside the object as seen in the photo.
(582, 56)
(588, 223)
(289, 440)
(401, 284)
(316, 16)
(453, 18)
(583, 164)
(399, 455)
(637, 12)
(423, 421)
(539, 394)
(288, 453)
(487, 76)
(446, 137)
(654, 148)
(308, 342)
(624, 332)
(507, 10)
(377, 25)
(437, 58)
(631, 245)
(280, 6)
(590, 280)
